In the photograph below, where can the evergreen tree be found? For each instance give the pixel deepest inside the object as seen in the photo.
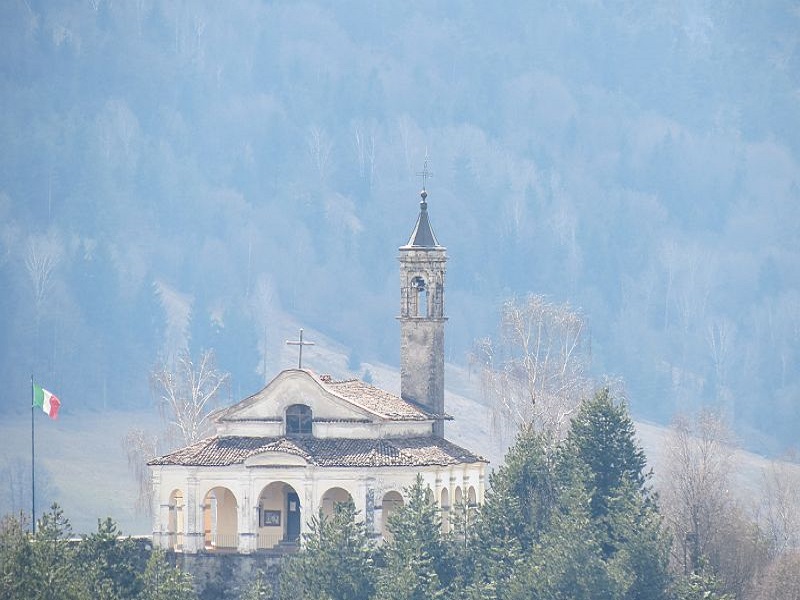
(602, 437)
(16, 570)
(414, 566)
(111, 565)
(460, 545)
(516, 510)
(165, 582)
(258, 589)
(54, 572)
(567, 561)
(336, 562)
(701, 584)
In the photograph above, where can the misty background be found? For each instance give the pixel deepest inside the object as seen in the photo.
(193, 175)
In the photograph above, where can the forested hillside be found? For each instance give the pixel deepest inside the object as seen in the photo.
(183, 175)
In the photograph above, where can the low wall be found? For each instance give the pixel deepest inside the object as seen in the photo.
(220, 576)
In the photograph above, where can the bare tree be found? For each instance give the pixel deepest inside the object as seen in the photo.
(536, 373)
(364, 144)
(320, 147)
(780, 505)
(42, 256)
(188, 393)
(695, 485)
(721, 338)
(781, 579)
(140, 447)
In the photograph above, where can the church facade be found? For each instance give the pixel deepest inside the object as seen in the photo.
(306, 442)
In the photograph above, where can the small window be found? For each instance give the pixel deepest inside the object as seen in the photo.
(298, 420)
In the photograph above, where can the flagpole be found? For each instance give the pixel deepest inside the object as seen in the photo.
(33, 462)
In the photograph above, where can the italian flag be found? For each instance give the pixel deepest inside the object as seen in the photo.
(46, 401)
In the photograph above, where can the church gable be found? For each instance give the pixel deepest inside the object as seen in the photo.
(297, 402)
(289, 388)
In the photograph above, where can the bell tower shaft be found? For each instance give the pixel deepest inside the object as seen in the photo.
(422, 275)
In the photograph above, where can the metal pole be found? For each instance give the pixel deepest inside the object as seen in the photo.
(33, 461)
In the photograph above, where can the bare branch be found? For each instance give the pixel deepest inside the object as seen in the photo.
(537, 374)
(188, 393)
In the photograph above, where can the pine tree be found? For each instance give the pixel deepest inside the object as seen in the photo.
(258, 588)
(111, 565)
(414, 565)
(516, 510)
(16, 570)
(336, 562)
(53, 565)
(602, 437)
(165, 582)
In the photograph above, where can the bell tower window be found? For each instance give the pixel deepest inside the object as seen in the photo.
(419, 297)
(298, 420)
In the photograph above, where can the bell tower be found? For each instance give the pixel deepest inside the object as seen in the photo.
(422, 270)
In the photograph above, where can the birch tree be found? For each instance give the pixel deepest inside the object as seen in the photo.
(188, 393)
(536, 373)
(780, 505)
(696, 497)
(41, 259)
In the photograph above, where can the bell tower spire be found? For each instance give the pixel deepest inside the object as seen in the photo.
(422, 270)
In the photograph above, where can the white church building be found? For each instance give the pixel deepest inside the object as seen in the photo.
(306, 442)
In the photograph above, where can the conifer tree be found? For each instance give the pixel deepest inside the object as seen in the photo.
(336, 562)
(53, 565)
(515, 512)
(165, 582)
(602, 437)
(414, 566)
(258, 588)
(111, 565)
(16, 570)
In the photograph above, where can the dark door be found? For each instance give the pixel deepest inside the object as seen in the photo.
(292, 517)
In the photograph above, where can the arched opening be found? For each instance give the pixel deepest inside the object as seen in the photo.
(472, 503)
(220, 519)
(391, 502)
(419, 297)
(444, 503)
(333, 497)
(175, 521)
(278, 515)
(458, 496)
(299, 420)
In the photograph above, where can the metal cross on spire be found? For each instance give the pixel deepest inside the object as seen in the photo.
(425, 173)
(300, 343)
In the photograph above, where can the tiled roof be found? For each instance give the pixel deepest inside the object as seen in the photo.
(379, 401)
(324, 452)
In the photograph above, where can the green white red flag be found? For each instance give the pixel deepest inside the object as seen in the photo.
(47, 401)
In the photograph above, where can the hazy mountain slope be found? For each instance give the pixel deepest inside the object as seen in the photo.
(175, 174)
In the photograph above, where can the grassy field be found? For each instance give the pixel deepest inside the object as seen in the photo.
(81, 464)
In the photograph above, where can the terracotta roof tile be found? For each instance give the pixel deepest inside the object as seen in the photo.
(378, 401)
(324, 452)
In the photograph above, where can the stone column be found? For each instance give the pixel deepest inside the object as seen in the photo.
(244, 524)
(369, 505)
(193, 539)
(158, 525)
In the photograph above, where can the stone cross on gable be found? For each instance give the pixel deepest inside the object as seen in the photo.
(300, 343)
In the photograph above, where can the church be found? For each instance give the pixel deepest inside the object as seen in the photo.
(306, 442)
